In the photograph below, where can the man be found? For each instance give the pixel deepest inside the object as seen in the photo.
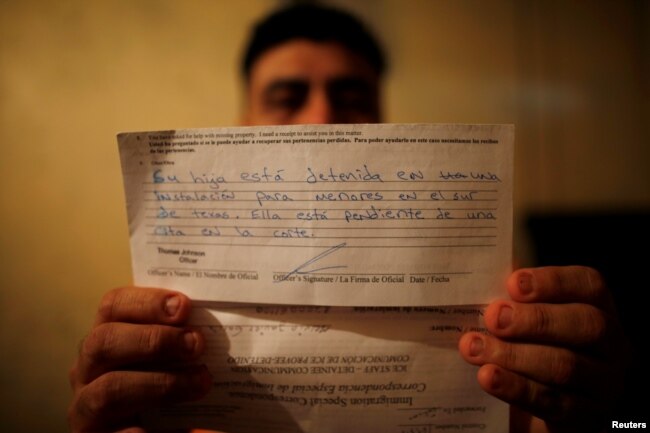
(555, 347)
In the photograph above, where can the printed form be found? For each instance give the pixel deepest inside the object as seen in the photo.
(347, 239)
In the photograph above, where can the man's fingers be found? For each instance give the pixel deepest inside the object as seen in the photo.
(143, 305)
(136, 328)
(115, 345)
(556, 285)
(552, 366)
(116, 397)
(575, 325)
(564, 410)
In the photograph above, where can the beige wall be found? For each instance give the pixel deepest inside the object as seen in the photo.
(572, 76)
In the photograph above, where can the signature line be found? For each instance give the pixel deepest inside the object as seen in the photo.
(299, 270)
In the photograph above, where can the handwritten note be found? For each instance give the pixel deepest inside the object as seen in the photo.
(322, 214)
(314, 369)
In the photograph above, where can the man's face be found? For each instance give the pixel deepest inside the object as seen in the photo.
(302, 81)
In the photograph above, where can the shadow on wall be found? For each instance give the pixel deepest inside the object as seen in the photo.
(614, 243)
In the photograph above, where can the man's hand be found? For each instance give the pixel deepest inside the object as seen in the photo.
(137, 356)
(556, 350)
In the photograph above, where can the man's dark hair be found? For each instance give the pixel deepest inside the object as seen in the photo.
(316, 23)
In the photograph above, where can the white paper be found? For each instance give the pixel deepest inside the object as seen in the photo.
(322, 214)
(321, 369)
(393, 218)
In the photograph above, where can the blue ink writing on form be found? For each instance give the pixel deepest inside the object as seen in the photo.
(358, 175)
(300, 270)
(158, 177)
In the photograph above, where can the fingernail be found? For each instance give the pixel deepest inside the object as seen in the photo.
(525, 283)
(505, 317)
(191, 341)
(476, 346)
(172, 305)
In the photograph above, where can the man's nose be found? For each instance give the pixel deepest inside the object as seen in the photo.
(317, 109)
